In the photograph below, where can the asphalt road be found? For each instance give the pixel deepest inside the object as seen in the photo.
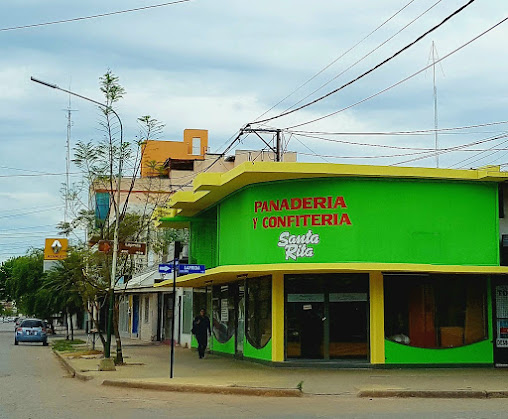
(34, 385)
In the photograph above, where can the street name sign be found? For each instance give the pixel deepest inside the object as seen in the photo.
(191, 269)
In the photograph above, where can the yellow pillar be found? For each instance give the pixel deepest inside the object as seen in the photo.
(278, 317)
(377, 318)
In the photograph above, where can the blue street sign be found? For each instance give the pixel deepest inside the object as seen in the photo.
(165, 268)
(191, 269)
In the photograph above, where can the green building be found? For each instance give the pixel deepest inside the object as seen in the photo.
(358, 265)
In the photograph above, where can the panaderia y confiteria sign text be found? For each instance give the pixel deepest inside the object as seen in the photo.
(300, 245)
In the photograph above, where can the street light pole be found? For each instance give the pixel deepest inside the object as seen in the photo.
(107, 351)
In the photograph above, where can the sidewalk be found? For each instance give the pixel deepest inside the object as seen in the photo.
(148, 365)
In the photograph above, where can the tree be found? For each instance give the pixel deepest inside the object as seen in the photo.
(99, 162)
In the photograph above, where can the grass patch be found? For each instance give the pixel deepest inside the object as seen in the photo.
(64, 345)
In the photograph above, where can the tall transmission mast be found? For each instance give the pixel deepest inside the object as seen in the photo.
(69, 111)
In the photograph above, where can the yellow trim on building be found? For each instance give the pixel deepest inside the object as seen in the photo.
(210, 188)
(229, 273)
(377, 318)
(278, 317)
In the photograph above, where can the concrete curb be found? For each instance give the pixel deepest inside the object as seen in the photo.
(213, 389)
(70, 369)
(434, 394)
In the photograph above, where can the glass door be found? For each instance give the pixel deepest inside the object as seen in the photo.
(348, 325)
(305, 326)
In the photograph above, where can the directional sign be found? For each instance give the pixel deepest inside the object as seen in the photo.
(129, 248)
(191, 269)
(165, 268)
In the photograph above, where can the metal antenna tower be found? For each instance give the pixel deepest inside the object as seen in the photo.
(69, 111)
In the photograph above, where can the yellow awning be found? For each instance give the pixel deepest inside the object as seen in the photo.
(225, 274)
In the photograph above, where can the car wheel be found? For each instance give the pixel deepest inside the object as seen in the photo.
(15, 342)
(44, 343)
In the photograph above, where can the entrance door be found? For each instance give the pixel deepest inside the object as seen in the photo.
(135, 314)
(500, 307)
(168, 316)
(348, 325)
(327, 316)
(305, 326)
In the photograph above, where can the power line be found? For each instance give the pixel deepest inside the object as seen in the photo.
(39, 175)
(405, 79)
(31, 212)
(354, 143)
(448, 150)
(413, 132)
(335, 60)
(400, 51)
(365, 56)
(75, 19)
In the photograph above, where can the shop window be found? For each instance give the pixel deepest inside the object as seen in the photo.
(438, 311)
(259, 311)
(223, 307)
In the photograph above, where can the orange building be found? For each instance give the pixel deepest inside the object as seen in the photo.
(160, 157)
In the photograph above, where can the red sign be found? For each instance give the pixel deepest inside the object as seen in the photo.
(128, 248)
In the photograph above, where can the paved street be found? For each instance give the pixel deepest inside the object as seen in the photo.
(34, 385)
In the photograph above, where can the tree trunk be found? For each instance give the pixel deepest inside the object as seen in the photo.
(97, 327)
(72, 327)
(119, 351)
(66, 325)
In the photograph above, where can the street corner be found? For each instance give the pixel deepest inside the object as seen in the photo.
(222, 389)
(70, 367)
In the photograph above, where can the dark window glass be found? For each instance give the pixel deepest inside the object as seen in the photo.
(31, 323)
(223, 305)
(437, 311)
(259, 311)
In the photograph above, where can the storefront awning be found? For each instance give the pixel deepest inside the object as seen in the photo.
(225, 274)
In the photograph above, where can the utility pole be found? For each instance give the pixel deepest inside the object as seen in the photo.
(107, 362)
(277, 148)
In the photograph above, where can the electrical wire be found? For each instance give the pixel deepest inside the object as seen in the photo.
(413, 132)
(448, 150)
(405, 79)
(355, 143)
(39, 175)
(75, 19)
(377, 66)
(31, 212)
(365, 56)
(335, 60)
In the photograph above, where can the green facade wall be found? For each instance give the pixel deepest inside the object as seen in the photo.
(265, 353)
(203, 239)
(225, 348)
(392, 220)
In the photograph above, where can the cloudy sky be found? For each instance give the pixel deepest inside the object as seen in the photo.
(220, 64)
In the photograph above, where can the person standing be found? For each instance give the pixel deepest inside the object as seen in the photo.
(201, 329)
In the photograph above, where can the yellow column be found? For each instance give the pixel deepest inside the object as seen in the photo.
(377, 318)
(277, 317)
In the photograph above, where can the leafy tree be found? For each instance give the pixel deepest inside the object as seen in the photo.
(100, 162)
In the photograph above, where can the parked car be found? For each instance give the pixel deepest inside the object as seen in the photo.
(31, 330)
(17, 322)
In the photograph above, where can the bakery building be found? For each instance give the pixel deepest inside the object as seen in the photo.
(347, 264)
